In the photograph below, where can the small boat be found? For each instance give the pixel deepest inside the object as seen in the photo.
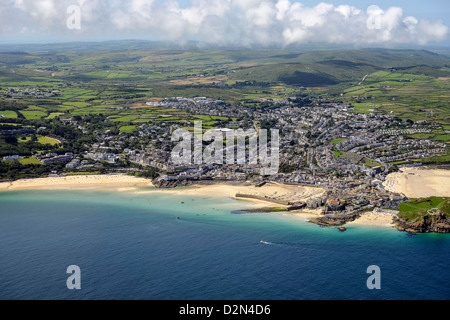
(264, 242)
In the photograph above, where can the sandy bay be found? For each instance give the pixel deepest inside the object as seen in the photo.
(413, 182)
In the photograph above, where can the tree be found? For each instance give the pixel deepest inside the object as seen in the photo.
(11, 140)
(287, 168)
(151, 173)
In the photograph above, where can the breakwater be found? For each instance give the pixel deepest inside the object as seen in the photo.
(273, 200)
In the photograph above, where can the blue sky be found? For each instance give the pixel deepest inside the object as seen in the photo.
(259, 23)
(430, 9)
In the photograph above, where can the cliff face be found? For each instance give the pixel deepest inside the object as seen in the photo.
(438, 223)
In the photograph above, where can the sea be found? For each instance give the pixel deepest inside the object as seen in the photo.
(149, 246)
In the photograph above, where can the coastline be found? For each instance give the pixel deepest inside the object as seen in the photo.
(413, 182)
(124, 183)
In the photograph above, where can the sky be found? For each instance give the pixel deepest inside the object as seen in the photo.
(247, 23)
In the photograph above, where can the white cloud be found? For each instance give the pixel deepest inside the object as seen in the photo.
(428, 31)
(19, 4)
(282, 7)
(347, 11)
(245, 22)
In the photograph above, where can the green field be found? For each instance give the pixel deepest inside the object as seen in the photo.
(355, 158)
(31, 160)
(338, 153)
(8, 114)
(416, 209)
(336, 141)
(371, 163)
(42, 140)
(33, 115)
(48, 140)
(54, 115)
(128, 129)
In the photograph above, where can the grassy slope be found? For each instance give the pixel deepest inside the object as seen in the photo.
(415, 209)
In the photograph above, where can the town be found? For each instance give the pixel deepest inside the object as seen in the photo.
(323, 144)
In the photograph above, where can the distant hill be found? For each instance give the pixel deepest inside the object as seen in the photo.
(104, 46)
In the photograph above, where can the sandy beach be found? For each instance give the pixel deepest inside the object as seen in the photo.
(374, 218)
(419, 182)
(126, 183)
(279, 191)
(306, 214)
(94, 182)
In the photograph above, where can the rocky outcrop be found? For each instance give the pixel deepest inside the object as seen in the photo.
(335, 220)
(170, 184)
(163, 184)
(437, 222)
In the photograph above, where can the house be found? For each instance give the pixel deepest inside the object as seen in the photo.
(62, 158)
(12, 157)
(397, 197)
(335, 205)
(73, 164)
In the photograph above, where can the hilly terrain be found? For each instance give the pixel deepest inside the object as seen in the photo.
(93, 78)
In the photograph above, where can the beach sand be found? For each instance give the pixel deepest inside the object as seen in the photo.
(375, 219)
(419, 182)
(272, 190)
(372, 218)
(126, 183)
(93, 182)
(306, 214)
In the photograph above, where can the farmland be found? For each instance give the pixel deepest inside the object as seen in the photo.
(8, 114)
(108, 82)
(413, 96)
(111, 89)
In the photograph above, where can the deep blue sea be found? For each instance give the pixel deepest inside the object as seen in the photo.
(132, 246)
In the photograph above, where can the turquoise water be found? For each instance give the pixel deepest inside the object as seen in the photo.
(132, 246)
